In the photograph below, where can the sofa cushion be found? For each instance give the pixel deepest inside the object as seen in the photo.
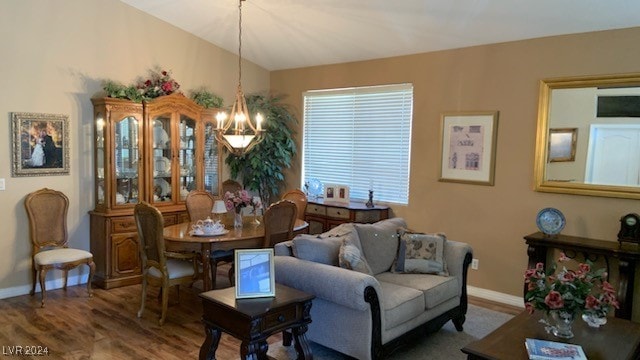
(350, 256)
(316, 249)
(436, 289)
(379, 242)
(400, 304)
(420, 253)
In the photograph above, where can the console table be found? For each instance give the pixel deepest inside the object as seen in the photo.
(628, 257)
(324, 215)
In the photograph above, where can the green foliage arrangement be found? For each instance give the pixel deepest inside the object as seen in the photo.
(262, 169)
(206, 99)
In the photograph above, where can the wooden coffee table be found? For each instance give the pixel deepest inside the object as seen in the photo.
(254, 320)
(617, 340)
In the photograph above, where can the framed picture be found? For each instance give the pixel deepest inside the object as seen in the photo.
(40, 144)
(254, 273)
(468, 147)
(562, 144)
(336, 193)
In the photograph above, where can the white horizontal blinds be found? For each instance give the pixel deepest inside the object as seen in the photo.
(360, 137)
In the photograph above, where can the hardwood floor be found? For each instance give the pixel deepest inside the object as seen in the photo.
(74, 326)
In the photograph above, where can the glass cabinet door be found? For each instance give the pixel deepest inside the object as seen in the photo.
(126, 156)
(161, 161)
(187, 156)
(211, 159)
(99, 159)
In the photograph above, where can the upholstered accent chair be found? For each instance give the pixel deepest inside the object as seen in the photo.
(299, 198)
(279, 219)
(47, 211)
(199, 205)
(159, 266)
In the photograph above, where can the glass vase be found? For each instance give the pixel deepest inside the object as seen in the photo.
(237, 220)
(594, 320)
(562, 324)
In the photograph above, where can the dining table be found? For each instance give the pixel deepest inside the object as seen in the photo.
(249, 236)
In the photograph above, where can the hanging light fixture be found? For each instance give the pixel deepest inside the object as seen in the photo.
(237, 132)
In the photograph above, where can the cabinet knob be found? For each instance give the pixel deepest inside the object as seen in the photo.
(281, 318)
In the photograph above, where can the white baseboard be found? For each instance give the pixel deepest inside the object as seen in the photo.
(52, 284)
(495, 296)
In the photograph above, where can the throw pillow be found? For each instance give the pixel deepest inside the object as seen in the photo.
(313, 248)
(421, 253)
(350, 255)
(379, 242)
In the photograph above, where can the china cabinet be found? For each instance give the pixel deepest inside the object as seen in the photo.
(156, 152)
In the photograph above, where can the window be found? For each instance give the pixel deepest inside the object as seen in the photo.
(360, 137)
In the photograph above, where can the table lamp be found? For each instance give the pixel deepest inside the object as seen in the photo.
(219, 208)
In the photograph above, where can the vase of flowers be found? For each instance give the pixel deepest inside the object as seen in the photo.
(563, 295)
(235, 201)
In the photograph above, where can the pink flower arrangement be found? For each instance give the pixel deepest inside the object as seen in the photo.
(572, 291)
(237, 200)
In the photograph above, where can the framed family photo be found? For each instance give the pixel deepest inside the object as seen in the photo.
(336, 193)
(468, 147)
(40, 144)
(562, 144)
(255, 276)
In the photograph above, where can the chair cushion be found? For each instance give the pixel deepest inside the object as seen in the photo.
(219, 254)
(316, 249)
(420, 253)
(176, 268)
(400, 303)
(436, 289)
(59, 256)
(379, 242)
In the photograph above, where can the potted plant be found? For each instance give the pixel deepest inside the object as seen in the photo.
(261, 169)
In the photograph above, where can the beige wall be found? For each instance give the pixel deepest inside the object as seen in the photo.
(55, 55)
(503, 77)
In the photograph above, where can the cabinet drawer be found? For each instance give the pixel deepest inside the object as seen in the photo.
(280, 318)
(124, 224)
(368, 216)
(316, 209)
(338, 213)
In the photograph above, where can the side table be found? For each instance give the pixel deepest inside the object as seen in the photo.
(254, 320)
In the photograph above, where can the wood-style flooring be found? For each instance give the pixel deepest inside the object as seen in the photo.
(74, 326)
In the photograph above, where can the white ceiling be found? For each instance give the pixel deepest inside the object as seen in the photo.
(284, 34)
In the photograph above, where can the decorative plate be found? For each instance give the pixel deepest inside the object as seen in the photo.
(225, 231)
(550, 221)
(164, 185)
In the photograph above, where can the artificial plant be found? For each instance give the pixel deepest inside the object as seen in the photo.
(262, 168)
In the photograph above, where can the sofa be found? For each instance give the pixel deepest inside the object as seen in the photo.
(372, 286)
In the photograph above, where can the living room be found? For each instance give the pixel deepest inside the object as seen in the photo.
(60, 52)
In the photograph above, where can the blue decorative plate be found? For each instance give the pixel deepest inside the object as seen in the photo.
(550, 221)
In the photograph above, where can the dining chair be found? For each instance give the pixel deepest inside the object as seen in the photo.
(199, 205)
(279, 219)
(160, 267)
(230, 186)
(299, 198)
(47, 211)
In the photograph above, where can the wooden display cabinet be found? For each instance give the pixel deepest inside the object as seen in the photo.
(156, 152)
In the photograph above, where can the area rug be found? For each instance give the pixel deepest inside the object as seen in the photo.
(444, 344)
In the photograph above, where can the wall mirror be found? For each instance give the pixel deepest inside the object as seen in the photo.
(588, 136)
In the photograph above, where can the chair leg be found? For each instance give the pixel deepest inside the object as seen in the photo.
(92, 270)
(165, 302)
(34, 275)
(144, 295)
(232, 278)
(43, 274)
(214, 272)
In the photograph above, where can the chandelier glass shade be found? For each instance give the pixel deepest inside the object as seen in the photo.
(237, 132)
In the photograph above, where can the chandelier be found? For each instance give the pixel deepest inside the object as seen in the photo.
(237, 132)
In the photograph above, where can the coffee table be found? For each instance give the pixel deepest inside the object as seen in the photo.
(254, 320)
(619, 339)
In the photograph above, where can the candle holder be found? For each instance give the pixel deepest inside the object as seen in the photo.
(369, 203)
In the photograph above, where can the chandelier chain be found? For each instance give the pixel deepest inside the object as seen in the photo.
(240, 42)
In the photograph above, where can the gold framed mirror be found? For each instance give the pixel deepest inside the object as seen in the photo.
(603, 113)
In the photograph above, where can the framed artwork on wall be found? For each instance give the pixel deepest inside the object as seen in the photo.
(255, 276)
(468, 147)
(40, 144)
(562, 144)
(336, 193)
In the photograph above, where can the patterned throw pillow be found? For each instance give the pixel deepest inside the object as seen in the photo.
(421, 253)
(350, 255)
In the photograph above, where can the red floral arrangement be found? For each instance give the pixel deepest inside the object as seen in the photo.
(159, 84)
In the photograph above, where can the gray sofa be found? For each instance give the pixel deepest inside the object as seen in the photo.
(362, 310)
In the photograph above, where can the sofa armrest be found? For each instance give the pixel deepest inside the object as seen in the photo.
(283, 248)
(341, 286)
(455, 253)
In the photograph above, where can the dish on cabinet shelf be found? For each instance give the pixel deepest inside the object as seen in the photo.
(160, 136)
(164, 186)
(550, 221)
(163, 165)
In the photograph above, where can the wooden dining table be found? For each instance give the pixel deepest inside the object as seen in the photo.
(251, 235)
